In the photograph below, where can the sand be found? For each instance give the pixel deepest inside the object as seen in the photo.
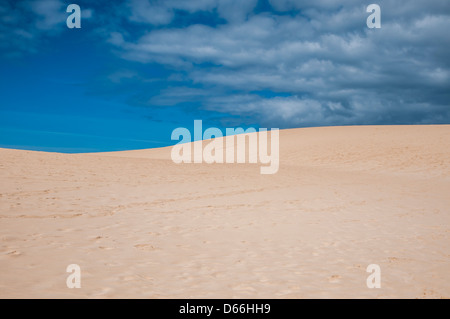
(140, 226)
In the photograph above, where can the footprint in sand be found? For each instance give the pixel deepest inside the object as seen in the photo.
(146, 247)
(105, 248)
(334, 279)
(14, 253)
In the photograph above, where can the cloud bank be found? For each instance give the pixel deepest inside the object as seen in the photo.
(283, 63)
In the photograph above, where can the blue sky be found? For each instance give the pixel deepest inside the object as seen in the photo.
(138, 69)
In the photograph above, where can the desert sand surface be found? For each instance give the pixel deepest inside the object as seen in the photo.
(141, 226)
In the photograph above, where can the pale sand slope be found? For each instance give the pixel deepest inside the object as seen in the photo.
(141, 226)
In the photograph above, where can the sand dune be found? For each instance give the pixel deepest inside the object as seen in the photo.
(141, 226)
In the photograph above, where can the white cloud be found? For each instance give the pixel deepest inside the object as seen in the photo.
(50, 13)
(150, 12)
(336, 70)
